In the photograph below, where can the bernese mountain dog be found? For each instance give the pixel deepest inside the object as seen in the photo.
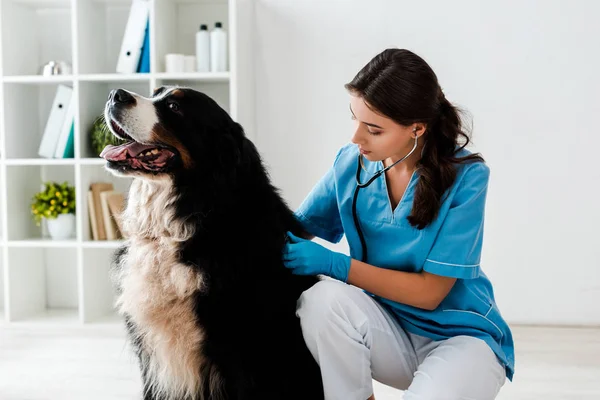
(209, 306)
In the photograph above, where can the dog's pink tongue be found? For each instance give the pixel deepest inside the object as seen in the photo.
(119, 153)
(114, 153)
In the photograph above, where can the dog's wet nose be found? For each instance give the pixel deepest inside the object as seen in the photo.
(121, 96)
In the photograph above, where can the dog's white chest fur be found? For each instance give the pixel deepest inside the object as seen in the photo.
(157, 291)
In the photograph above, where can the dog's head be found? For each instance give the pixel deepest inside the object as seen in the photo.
(169, 133)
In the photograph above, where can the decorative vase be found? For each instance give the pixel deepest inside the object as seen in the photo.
(61, 227)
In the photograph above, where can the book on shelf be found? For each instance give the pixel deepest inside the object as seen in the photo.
(105, 207)
(110, 218)
(104, 219)
(116, 206)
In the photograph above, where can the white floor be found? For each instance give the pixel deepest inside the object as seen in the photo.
(41, 362)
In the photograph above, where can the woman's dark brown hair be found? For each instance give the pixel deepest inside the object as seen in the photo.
(401, 86)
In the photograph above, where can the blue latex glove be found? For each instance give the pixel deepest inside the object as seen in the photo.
(305, 257)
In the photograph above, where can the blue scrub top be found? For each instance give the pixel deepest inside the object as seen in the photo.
(450, 246)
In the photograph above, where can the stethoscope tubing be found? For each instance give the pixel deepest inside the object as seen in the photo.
(360, 185)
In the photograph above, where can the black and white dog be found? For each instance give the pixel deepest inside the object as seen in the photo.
(209, 306)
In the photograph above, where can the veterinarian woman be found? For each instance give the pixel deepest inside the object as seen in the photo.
(411, 307)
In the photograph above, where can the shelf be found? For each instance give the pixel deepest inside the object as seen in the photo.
(98, 291)
(101, 244)
(26, 112)
(51, 243)
(195, 76)
(43, 29)
(43, 284)
(183, 76)
(50, 317)
(41, 4)
(22, 182)
(92, 161)
(195, 2)
(109, 319)
(42, 243)
(121, 3)
(40, 161)
(55, 161)
(57, 282)
(177, 23)
(2, 315)
(38, 79)
(113, 77)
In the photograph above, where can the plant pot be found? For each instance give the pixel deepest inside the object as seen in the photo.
(61, 227)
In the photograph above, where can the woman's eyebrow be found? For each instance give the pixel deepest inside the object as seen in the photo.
(366, 123)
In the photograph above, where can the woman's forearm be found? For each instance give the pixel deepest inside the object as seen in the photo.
(422, 290)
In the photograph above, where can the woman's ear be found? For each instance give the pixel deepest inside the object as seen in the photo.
(418, 129)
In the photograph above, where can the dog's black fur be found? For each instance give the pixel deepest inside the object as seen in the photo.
(252, 336)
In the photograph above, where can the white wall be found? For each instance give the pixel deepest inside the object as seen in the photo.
(528, 72)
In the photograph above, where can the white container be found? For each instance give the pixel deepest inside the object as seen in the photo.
(174, 62)
(203, 49)
(218, 49)
(189, 64)
(61, 227)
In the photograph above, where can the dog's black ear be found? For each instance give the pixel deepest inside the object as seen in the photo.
(239, 138)
(229, 140)
(248, 154)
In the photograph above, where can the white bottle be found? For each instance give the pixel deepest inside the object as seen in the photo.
(218, 49)
(203, 49)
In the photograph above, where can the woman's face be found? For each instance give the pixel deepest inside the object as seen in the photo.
(378, 137)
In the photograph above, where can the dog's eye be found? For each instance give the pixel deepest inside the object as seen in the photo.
(173, 106)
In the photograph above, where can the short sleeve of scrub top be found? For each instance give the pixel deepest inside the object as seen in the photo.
(457, 249)
(319, 213)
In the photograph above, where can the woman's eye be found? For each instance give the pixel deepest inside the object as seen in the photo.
(174, 107)
(375, 133)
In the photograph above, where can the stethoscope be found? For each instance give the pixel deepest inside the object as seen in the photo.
(360, 185)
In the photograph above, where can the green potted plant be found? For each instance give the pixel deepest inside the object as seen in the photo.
(56, 204)
(101, 136)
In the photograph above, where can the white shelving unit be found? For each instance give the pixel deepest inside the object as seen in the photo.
(56, 282)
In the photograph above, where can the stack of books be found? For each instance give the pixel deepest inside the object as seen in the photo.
(57, 140)
(105, 207)
(135, 46)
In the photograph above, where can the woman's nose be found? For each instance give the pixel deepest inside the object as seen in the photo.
(357, 137)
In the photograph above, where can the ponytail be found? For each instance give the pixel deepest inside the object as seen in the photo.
(437, 165)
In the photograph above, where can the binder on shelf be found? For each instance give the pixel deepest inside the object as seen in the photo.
(144, 64)
(66, 148)
(133, 38)
(65, 143)
(58, 112)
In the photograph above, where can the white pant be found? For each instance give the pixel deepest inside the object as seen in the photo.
(354, 340)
